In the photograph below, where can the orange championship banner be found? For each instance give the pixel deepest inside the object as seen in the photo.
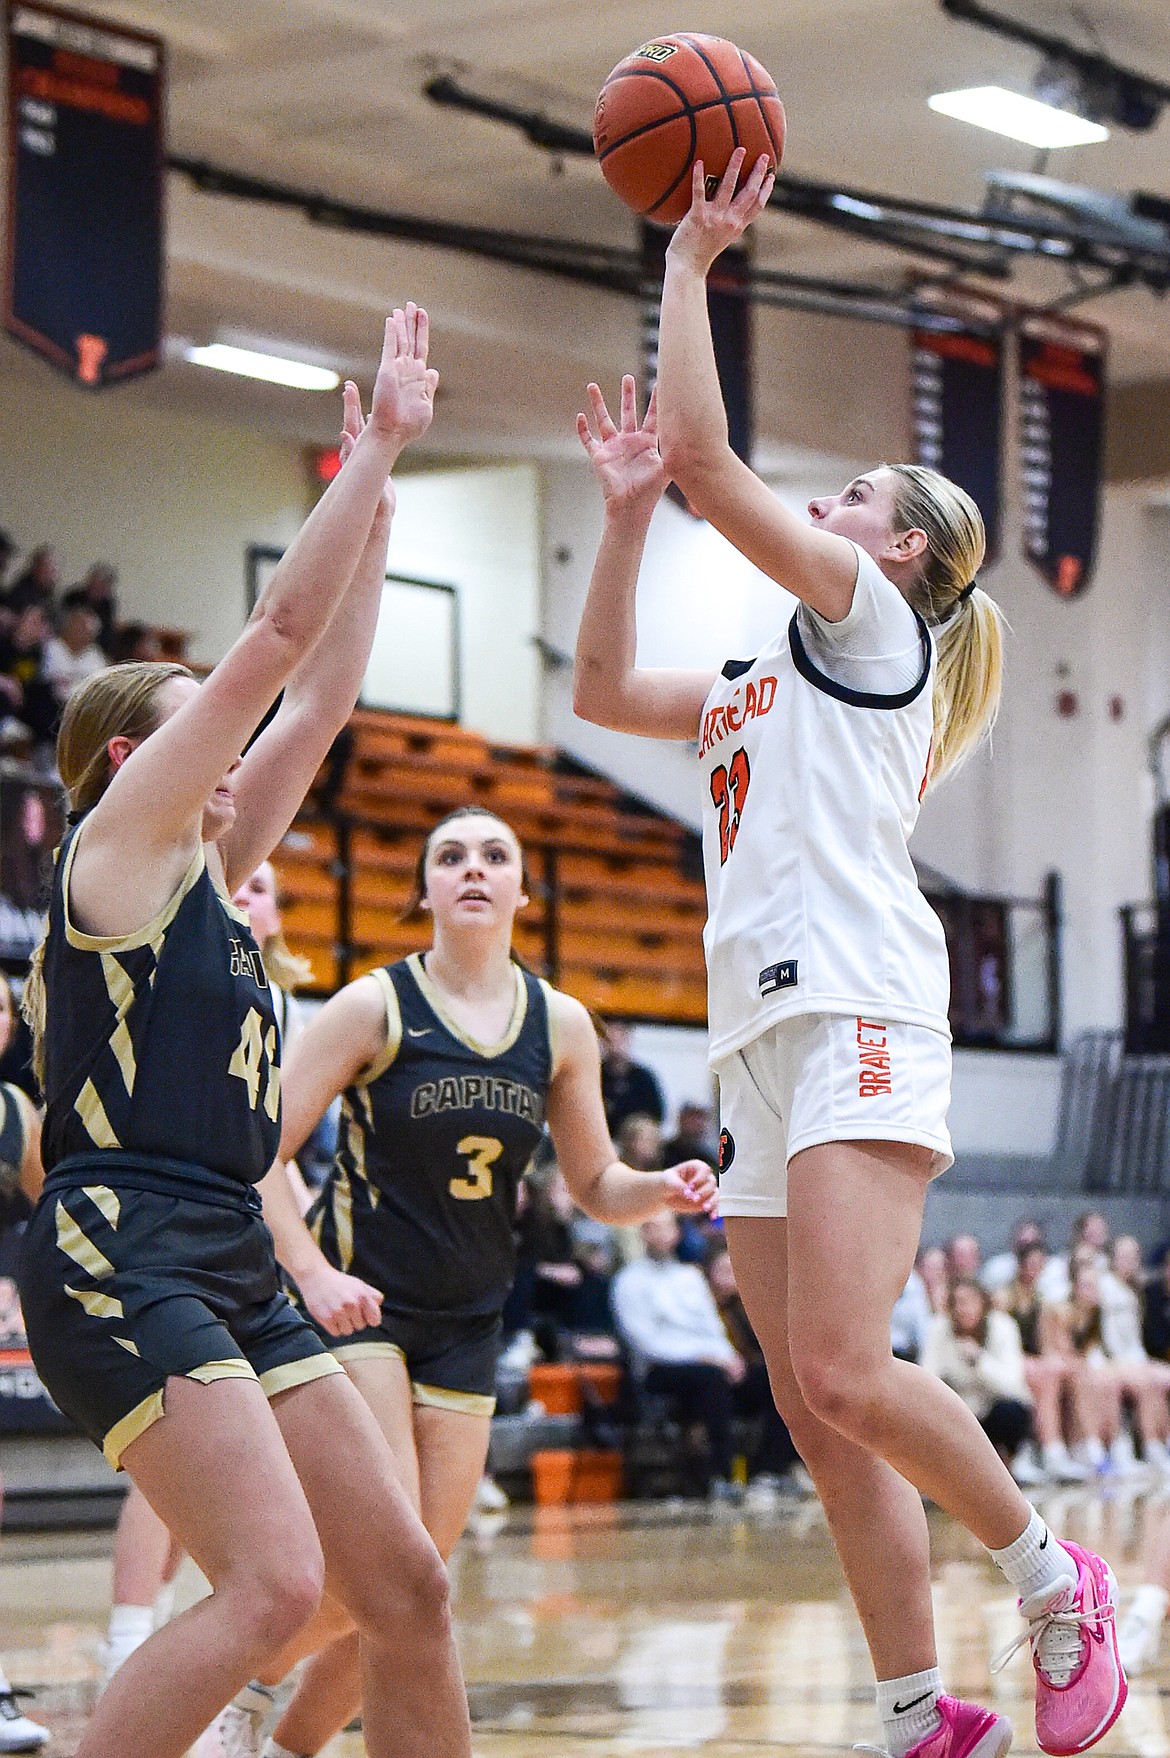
(83, 267)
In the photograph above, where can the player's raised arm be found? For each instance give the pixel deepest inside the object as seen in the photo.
(817, 566)
(608, 687)
(321, 693)
(150, 811)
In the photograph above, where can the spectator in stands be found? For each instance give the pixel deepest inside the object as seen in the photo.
(910, 1319)
(931, 1265)
(640, 1138)
(134, 641)
(22, 650)
(976, 1350)
(667, 1317)
(626, 1086)
(38, 583)
(8, 554)
(73, 653)
(965, 1258)
(1077, 1327)
(15, 1043)
(1090, 1230)
(1156, 1325)
(1144, 1380)
(548, 1275)
(773, 1456)
(1003, 1268)
(98, 590)
(1053, 1376)
(695, 1138)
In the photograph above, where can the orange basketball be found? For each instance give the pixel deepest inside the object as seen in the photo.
(677, 99)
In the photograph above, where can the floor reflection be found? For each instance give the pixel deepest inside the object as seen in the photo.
(650, 1629)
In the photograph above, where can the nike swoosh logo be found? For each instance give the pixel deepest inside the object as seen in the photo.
(1043, 1545)
(901, 1708)
(425, 1032)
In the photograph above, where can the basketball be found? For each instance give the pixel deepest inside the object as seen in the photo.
(677, 99)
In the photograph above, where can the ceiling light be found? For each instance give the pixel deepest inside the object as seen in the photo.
(270, 367)
(1020, 118)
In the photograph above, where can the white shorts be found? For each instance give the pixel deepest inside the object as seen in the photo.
(821, 1077)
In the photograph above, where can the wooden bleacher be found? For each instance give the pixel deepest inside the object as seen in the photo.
(617, 908)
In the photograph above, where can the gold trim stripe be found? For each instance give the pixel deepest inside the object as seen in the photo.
(154, 929)
(442, 1398)
(367, 1351)
(96, 1305)
(92, 1112)
(74, 1243)
(437, 1005)
(142, 1417)
(393, 1042)
(105, 1199)
(298, 1373)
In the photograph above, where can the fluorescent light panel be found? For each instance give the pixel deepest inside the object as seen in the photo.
(1020, 118)
(270, 367)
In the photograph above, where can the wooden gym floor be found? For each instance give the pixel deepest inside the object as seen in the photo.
(646, 1628)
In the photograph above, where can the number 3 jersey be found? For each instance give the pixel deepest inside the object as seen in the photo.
(434, 1140)
(161, 1045)
(810, 791)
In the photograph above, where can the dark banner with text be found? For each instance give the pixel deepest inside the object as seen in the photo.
(1062, 436)
(958, 399)
(83, 283)
(731, 334)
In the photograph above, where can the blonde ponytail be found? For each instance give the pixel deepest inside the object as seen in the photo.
(283, 966)
(119, 702)
(965, 621)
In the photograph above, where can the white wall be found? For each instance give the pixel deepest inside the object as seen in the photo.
(173, 501)
(479, 530)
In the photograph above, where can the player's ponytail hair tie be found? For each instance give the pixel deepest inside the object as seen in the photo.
(959, 601)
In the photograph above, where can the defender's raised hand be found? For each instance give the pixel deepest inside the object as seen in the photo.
(625, 459)
(404, 390)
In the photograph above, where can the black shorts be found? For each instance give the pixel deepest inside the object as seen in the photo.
(127, 1279)
(451, 1362)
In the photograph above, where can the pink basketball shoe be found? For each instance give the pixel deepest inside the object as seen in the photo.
(1080, 1682)
(964, 1731)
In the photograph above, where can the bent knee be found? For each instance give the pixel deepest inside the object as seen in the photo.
(836, 1390)
(280, 1595)
(411, 1590)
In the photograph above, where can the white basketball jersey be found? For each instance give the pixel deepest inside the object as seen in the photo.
(810, 792)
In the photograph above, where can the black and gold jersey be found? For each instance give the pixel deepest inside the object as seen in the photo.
(433, 1143)
(161, 1044)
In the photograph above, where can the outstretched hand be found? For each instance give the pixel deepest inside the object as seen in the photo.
(709, 226)
(625, 459)
(404, 390)
(352, 424)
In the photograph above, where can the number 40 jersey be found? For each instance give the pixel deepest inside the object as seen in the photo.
(434, 1140)
(810, 792)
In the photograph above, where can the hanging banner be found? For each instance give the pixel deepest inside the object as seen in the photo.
(731, 333)
(1062, 434)
(958, 397)
(83, 281)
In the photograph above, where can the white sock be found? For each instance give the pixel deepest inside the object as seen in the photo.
(908, 1708)
(129, 1627)
(1039, 1568)
(272, 1750)
(163, 1609)
(255, 1698)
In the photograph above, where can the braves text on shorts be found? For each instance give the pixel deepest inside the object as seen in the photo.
(873, 1059)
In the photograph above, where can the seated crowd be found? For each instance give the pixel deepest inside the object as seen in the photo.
(51, 639)
(1063, 1356)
